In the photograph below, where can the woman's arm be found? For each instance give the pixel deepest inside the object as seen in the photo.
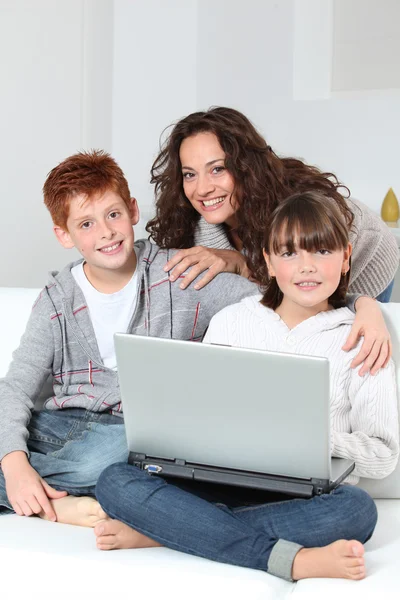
(369, 323)
(375, 256)
(373, 443)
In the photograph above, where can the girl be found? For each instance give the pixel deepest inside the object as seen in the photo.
(307, 255)
(217, 183)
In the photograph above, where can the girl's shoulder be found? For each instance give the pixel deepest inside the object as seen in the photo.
(246, 310)
(240, 324)
(337, 317)
(333, 324)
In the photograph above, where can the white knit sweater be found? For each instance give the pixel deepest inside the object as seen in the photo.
(364, 421)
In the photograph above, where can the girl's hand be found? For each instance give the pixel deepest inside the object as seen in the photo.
(202, 259)
(376, 350)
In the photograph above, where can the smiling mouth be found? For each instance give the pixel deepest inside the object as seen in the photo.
(308, 284)
(107, 249)
(213, 202)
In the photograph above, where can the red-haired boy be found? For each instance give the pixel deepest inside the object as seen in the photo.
(51, 458)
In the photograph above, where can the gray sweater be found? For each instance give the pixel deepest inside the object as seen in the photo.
(375, 255)
(59, 340)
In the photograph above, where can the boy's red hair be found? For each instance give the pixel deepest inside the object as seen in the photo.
(85, 173)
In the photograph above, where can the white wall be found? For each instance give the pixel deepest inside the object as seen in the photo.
(184, 56)
(155, 81)
(355, 135)
(55, 99)
(97, 73)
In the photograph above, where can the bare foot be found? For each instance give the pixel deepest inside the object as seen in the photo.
(73, 510)
(114, 535)
(340, 559)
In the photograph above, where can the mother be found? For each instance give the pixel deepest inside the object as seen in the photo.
(217, 183)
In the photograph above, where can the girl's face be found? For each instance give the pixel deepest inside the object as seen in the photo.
(308, 279)
(207, 184)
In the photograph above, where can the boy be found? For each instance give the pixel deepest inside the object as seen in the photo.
(117, 286)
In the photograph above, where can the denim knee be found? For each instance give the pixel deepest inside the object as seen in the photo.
(360, 512)
(106, 480)
(112, 480)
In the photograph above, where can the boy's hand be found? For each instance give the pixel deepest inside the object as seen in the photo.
(27, 492)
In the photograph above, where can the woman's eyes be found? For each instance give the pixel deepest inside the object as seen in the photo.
(215, 171)
(323, 251)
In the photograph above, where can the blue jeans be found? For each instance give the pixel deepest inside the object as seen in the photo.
(266, 536)
(69, 448)
(385, 295)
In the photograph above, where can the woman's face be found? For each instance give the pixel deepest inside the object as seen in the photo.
(207, 184)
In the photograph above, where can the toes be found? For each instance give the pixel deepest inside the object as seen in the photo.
(99, 529)
(104, 545)
(354, 562)
(357, 572)
(105, 527)
(357, 549)
(105, 540)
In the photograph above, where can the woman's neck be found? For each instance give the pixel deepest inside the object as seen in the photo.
(235, 240)
(231, 225)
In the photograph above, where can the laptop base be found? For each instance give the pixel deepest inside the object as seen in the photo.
(300, 488)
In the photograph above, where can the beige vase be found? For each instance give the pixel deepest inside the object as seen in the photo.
(390, 209)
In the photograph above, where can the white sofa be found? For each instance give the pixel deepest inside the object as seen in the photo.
(39, 559)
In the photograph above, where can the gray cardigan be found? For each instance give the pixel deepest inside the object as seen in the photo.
(375, 255)
(59, 340)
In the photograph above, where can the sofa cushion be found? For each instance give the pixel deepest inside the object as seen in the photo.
(390, 486)
(15, 308)
(63, 559)
(69, 552)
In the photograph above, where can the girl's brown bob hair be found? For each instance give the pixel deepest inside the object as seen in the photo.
(310, 221)
(262, 181)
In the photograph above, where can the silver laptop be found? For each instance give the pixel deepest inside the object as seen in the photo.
(234, 416)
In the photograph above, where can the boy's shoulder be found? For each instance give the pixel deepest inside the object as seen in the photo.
(153, 259)
(60, 285)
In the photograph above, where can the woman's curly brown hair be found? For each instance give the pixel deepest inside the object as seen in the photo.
(262, 181)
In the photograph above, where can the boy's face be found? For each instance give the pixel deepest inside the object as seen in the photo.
(100, 228)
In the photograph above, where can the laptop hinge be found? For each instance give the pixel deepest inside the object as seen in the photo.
(136, 459)
(321, 486)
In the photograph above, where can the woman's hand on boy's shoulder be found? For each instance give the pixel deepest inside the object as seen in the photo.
(376, 349)
(209, 261)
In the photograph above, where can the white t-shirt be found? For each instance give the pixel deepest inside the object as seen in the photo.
(109, 313)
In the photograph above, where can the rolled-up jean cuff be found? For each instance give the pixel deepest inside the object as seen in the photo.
(280, 562)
